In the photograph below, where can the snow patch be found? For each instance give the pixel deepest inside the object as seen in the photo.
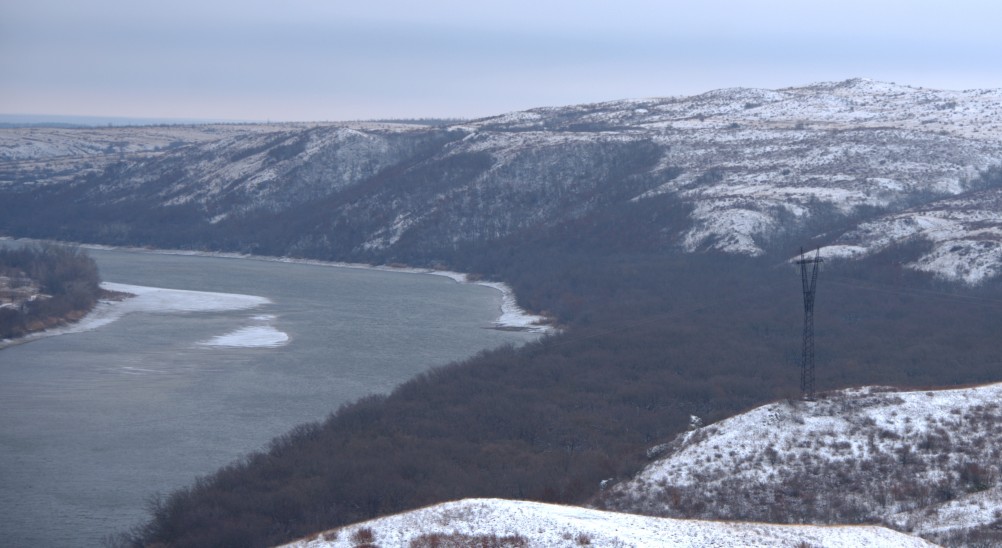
(551, 525)
(256, 336)
(841, 252)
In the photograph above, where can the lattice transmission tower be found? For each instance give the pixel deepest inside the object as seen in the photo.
(810, 284)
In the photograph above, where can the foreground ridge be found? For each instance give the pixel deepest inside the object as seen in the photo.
(920, 461)
(496, 522)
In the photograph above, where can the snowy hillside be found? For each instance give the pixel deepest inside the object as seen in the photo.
(965, 233)
(506, 523)
(757, 161)
(925, 462)
(753, 168)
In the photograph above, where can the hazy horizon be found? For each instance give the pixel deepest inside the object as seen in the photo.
(308, 60)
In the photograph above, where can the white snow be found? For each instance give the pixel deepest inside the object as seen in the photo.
(965, 233)
(550, 525)
(255, 336)
(842, 251)
(151, 300)
(829, 145)
(846, 144)
(513, 316)
(971, 510)
(867, 433)
(261, 335)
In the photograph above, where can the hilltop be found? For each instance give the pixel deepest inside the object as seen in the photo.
(507, 523)
(859, 166)
(925, 462)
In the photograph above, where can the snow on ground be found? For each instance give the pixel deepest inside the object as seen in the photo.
(965, 234)
(925, 461)
(513, 316)
(152, 300)
(972, 510)
(841, 252)
(838, 418)
(749, 158)
(550, 525)
(844, 144)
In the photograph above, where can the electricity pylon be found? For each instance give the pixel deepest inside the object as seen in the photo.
(810, 284)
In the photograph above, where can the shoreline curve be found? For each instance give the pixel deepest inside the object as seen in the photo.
(511, 317)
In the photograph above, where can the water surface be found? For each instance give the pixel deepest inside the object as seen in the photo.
(92, 423)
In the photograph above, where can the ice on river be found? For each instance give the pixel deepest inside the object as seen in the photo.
(255, 336)
(262, 335)
(161, 300)
(158, 300)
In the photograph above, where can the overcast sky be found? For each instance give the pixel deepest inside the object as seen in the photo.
(338, 60)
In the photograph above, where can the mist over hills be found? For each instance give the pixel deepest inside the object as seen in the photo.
(656, 232)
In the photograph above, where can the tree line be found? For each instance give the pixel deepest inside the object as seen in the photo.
(651, 336)
(67, 280)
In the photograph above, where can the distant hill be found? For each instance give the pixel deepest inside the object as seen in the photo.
(857, 165)
(73, 121)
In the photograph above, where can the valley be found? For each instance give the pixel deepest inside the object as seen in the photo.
(657, 233)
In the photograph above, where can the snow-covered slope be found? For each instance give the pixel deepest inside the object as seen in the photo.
(753, 166)
(925, 462)
(965, 233)
(507, 523)
(759, 161)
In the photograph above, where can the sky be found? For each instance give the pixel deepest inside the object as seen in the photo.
(316, 60)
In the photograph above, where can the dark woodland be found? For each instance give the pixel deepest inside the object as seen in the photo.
(66, 277)
(649, 337)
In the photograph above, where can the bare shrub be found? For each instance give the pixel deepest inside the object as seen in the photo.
(363, 537)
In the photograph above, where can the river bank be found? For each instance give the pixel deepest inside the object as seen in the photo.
(511, 317)
(97, 421)
(46, 287)
(73, 321)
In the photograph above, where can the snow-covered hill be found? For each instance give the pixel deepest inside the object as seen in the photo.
(925, 462)
(753, 167)
(507, 523)
(756, 160)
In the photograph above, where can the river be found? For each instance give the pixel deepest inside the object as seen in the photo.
(92, 423)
